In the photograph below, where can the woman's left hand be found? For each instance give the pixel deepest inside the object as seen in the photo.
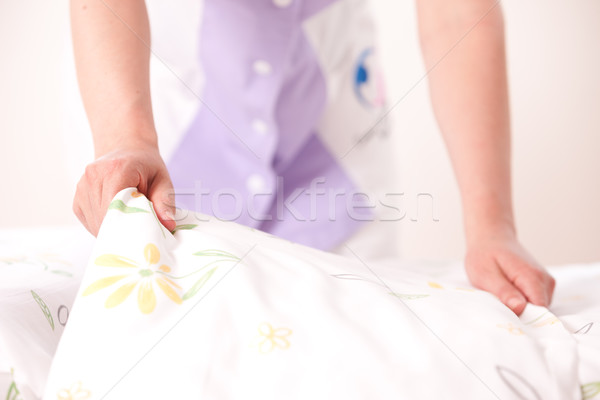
(501, 266)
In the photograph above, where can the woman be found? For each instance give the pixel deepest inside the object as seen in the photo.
(290, 136)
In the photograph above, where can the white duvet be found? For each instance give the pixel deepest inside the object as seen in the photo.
(220, 311)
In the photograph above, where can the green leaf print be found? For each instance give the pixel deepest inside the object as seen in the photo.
(62, 273)
(405, 296)
(217, 253)
(119, 205)
(590, 390)
(198, 285)
(160, 226)
(44, 308)
(13, 392)
(184, 227)
(537, 319)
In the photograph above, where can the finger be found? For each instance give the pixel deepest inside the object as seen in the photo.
(87, 196)
(550, 288)
(530, 279)
(162, 197)
(114, 183)
(495, 282)
(535, 287)
(78, 201)
(96, 201)
(509, 295)
(92, 184)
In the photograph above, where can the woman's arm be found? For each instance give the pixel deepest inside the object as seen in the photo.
(111, 42)
(463, 45)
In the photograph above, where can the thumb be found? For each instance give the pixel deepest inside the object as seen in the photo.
(162, 196)
(509, 295)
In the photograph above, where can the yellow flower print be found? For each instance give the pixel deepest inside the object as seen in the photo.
(435, 285)
(272, 338)
(144, 277)
(548, 321)
(75, 392)
(464, 289)
(515, 330)
(12, 260)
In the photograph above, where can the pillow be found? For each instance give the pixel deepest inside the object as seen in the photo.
(40, 273)
(216, 310)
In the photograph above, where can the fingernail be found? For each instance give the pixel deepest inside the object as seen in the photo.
(169, 214)
(514, 302)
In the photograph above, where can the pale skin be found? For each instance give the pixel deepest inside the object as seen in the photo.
(468, 91)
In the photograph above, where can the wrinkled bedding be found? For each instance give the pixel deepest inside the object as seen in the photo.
(216, 310)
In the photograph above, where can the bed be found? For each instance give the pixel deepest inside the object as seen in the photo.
(216, 310)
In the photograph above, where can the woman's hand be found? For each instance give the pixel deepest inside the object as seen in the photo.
(138, 166)
(464, 52)
(501, 266)
(111, 43)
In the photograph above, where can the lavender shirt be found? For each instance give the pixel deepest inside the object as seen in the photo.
(252, 153)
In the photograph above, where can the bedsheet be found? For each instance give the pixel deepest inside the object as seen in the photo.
(215, 310)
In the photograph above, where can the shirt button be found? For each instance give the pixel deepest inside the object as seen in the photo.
(255, 183)
(262, 67)
(282, 3)
(259, 126)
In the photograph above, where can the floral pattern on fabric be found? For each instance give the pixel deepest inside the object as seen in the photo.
(75, 392)
(145, 275)
(273, 338)
(141, 275)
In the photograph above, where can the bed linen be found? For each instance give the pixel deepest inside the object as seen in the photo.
(216, 310)
(40, 273)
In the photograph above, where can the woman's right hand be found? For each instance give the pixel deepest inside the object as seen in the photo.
(111, 44)
(138, 166)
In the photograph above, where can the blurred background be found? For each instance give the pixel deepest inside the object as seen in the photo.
(554, 64)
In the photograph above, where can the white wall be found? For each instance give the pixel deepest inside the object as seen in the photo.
(554, 59)
(32, 168)
(554, 65)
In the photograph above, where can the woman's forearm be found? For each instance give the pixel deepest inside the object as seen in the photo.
(470, 100)
(110, 40)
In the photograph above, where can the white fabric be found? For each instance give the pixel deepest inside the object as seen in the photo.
(278, 320)
(40, 273)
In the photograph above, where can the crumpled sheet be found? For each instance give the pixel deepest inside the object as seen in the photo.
(221, 311)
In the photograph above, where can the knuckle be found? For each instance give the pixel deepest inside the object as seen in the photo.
(90, 171)
(505, 293)
(537, 274)
(102, 168)
(79, 213)
(75, 204)
(167, 199)
(78, 199)
(538, 298)
(77, 210)
(535, 291)
(79, 189)
(115, 164)
(476, 280)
